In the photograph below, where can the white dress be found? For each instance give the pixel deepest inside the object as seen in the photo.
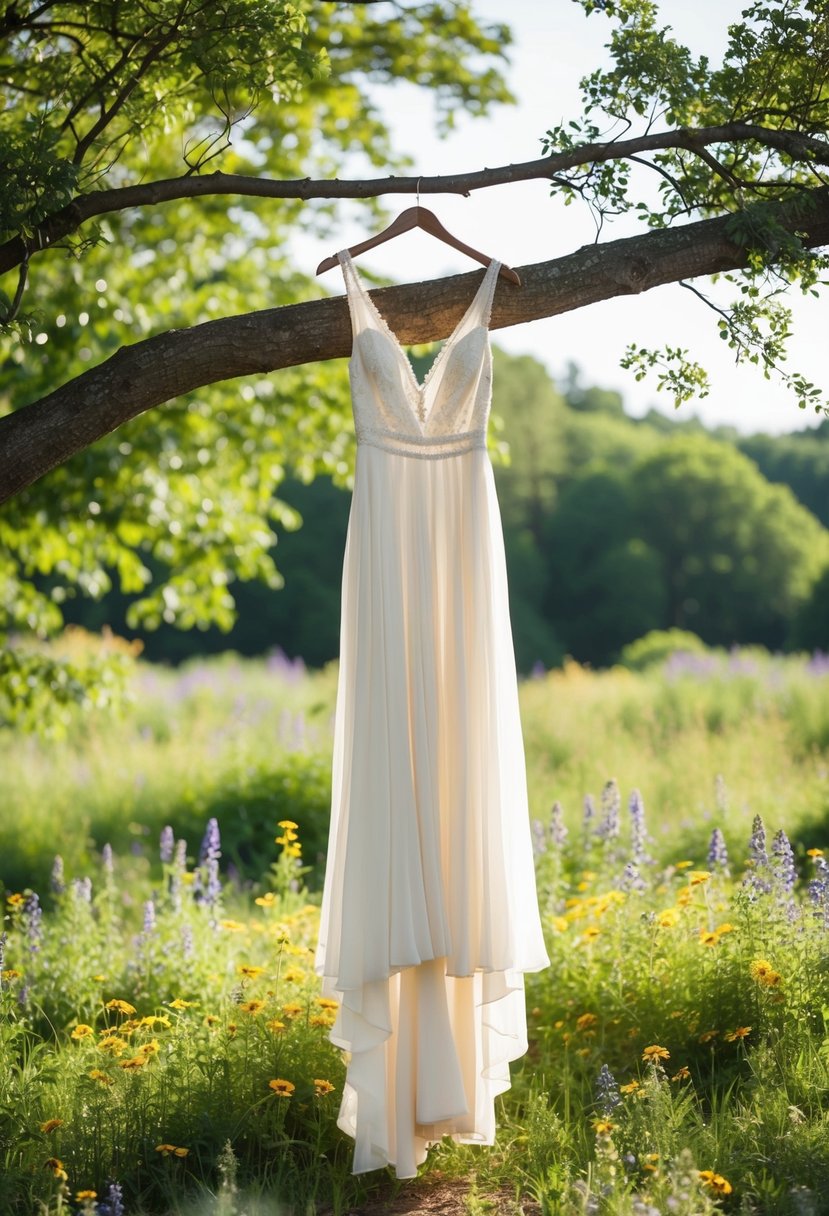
(429, 909)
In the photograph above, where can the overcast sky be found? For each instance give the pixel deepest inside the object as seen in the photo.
(555, 45)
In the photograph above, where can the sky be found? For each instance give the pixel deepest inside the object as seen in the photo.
(555, 45)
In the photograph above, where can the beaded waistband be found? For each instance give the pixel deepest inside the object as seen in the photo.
(423, 447)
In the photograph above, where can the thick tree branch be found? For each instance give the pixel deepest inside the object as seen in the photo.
(40, 436)
(101, 202)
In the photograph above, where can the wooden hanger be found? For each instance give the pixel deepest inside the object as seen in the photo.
(420, 217)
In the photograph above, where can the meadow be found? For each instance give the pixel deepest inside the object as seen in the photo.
(163, 1044)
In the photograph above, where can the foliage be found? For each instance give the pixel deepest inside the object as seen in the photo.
(149, 995)
(657, 646)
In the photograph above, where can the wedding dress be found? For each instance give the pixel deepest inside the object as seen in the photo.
(429, 910)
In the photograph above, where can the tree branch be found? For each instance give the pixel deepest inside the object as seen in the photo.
(40, 436)
(100, 202)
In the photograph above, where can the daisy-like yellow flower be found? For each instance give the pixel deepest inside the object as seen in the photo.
(763, 973)
(11, 974)
(327, 1002)
(696, 877)
(321, 1086)
(16, 900)
(630, 1088)
(288, 825)
(252, 1007)
(120, 1006)
(149, 1049)
(682, 865)
(681, 1074)
(725, 928)
(112, 1044)
(668, 917)
(282, 1087)
(715, 1182)
(707, 938)
(56, 1166)
(210, 1019)
(814, 852)
(739, 1033)
(275, 1025)
(585, 1020)
(655, 1052)
(51, 1124)
(156, 1019)
(233, 926)
(99, 979)
(80, 1196)
(292, 1009)
(591, 932)
(180, 1003)
(293, 977)
(321, 1019)
(708, 1035)
(232, 1027)
(684, 897)
(81, 1031)
(249, 971)
(266, 900)
(560, 924)
(174, 1150)
(133, 1062)
(102, 1077)
(603, 1127)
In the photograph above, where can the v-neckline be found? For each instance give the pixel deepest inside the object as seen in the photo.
(419, 387)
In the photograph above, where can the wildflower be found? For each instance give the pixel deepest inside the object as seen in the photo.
(249, 971)
(186, 940)
(717, 853)
(175, 1150)
(681, 1074)
(133, 1063)
(740, 1033)
(266, 900)
(120, 1006)
(707, 938)
(607, 1091)
(814, 852)
(149, 918)
(668, 917)
(538, 837)
(155, 1019)
(81, 1031)
(16, 900)
(232, 926)
(231, 1029)
(321, 1019)
(80, 1196)
(762, 971)
(292, 1009)
(589, 812)
(288, 825)
(282, 1087)
(114, 1204)
(210, 1019)
(603, 1127)
(11, 974)
(107, 859)
(32, 918)
(252, 1007)
(275, 1025)
(782, 863)
(560, 924)
(756, 881)
(206, 885)
(56, 879)
(715, 1182)
(682, 865)
(113, 1044)
(708, 1035)
(100, 979)
(630, 1088)
(591, 932)
(166, 844)
(638, 832)
(655, 1052)
(631, 879)
(56, 1166)
(321, 1086)
(557, 829)
(82, 888)
(103, 1077)
(50, 1125)
(724, 928)
(180, 1003)
(149, 1049)
(697, 877)
(585, 1020)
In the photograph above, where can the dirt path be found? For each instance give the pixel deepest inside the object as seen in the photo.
(436, 1196)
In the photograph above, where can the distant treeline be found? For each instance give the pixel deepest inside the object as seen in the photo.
(613, 526)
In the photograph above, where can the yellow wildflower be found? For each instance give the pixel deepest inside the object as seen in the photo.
(814, 852)
(16, 900)
(707, 1035)
(275, 1025)
(668, 917)
(149, 1049)
(630, 1088)
(155, 1019)
(681, 1074)
(112, 1044)
(167, 1150)
(321, 1086)
(210, 1019)
(180, 1003)
(249, 971)
(715, 1182)
(560, 924)
(231, 1029)
(585, 1020)
(696, 877)
(655, 1052)
(762, 971)
(682, 865)
(321, 1019)
(266, 900)
(707, 938)
(133, 1062)
(288, 824)
(56, 1166)
(739, 1033)
(102, 1077)
(252, 1007)
(327, 1002)
(293, 977)
(233, 926)
(282, 1087)
(80, 1196)
(11, 974)
(591, 932)
(684, 896)
(50, 1125)
(81, 1031)
(99, 979)
(292, 1009)
(120, 1006)
(603, 1127)
(726, 928)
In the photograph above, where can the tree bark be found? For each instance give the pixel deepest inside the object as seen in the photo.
(40, 436)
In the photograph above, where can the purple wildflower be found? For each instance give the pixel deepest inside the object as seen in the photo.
(82, 889)
(166, 844)
(819, 889)
(756, 879)
(558, 828)
(181, 854)
(23, 996)
(211, 843)
(609, 827)
(589, 812)
(539, 841)
(638, 832)
(782, 860)
(149, 917)
(56, 880)
(631, 879)
(207, 888)
(608, 1096)
(32, 919)
(113, 1205)
(186, 940)
(718, 853)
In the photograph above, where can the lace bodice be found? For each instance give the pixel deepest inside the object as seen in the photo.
(445, 415)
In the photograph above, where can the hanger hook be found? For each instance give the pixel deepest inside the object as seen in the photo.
(417, 191)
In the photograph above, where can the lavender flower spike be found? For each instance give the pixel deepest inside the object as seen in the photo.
(608, 1096)
(211, 843)
(782, 859)
(638, 831)
(56, 881)
(611, 802)
(558, 828)
(166, 844)
(757, 879)
(718, 853)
